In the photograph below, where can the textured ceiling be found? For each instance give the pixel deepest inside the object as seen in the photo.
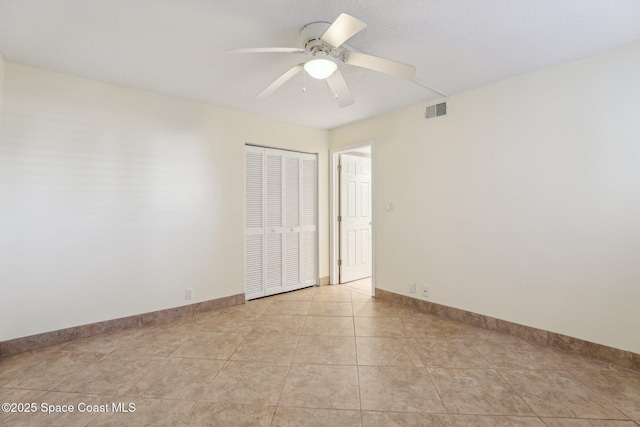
(178, 47)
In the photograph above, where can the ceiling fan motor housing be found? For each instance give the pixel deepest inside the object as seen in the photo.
(311, 35)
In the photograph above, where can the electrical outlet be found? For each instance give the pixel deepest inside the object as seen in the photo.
(425, 291)
(189, 293)
(412, 288)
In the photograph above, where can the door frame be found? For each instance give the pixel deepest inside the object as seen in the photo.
(334, 203)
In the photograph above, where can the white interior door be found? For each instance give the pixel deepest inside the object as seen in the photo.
(355, 218)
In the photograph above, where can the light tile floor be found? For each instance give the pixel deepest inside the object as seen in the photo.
(362, 286)
(327, 356)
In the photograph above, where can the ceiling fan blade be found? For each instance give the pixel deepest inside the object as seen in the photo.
(280, 81)
(340, 90)
(269, 50)
(342, 29)
(382, 65)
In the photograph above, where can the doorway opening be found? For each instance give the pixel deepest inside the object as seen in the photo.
(352, 195)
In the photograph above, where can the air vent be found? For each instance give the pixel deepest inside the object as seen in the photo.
(436, 110)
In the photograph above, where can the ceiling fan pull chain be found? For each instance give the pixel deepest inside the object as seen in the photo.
(304, 82)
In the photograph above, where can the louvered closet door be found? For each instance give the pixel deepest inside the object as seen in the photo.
(292, 211)
(280, 221)
(254, 222)
(274, 268)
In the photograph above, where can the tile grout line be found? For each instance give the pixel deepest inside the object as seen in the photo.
(435, 387)
(595, 392)
(516, 392)
(355, 344)
(284, 384)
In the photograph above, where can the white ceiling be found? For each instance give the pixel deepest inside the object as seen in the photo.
(178, 47)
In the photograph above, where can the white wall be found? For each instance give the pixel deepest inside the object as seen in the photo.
(1, 88)
(522, 204)
(113, 201)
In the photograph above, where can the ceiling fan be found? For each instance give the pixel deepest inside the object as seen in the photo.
(324, 42)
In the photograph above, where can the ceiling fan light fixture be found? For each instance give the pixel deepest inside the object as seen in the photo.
(320, 68)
